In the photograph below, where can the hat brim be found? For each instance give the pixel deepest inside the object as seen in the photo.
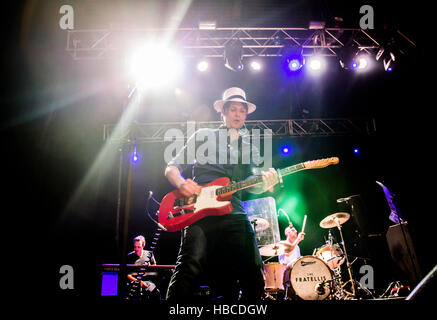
(218, 105)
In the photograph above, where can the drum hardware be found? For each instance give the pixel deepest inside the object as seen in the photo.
(269, 296)
(348, 265)
(338, 283)
(320, 287)
(336, 220)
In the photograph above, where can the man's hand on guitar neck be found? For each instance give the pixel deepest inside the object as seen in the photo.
(270, 178)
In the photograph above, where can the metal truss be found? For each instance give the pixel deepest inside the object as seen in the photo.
(194, 42)
(155, 132)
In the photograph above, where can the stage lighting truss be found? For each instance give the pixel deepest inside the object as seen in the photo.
(155, 132)
(195, 42)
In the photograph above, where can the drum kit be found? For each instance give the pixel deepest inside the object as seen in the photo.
(313, 277)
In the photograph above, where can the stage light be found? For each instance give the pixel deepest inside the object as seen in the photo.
(154, 66)
(388, 54)
(293, 58)
(294, 65)
(316, 64)
(233, 56)
(202, 66)
(207, 25)
(347, 57)
(285, 150)
(362, 63)
(352, 58)
(356, 150)
(255, 65)
(388, 61)
(134, 156)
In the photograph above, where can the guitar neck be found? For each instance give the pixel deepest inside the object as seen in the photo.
(236, 186)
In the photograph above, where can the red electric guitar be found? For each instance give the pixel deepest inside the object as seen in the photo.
(177, 212)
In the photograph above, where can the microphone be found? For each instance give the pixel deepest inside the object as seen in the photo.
(285, 214)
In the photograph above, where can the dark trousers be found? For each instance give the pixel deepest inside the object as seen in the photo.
(222, 251)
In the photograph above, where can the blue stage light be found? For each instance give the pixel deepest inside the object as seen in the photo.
(294, 64)
(134, 157)
(356, 150)
(285, 150)
(293, 58)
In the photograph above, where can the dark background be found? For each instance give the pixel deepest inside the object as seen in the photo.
(54, 108)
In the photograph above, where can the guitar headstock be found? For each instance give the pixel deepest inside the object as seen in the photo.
(321, 163)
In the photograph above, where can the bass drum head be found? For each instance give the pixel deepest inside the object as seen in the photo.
(303, 277)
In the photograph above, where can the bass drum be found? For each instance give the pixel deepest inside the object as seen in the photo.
(304, 279)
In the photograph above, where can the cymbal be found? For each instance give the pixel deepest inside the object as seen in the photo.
(274, 249)
(330, 221)
(261, 224)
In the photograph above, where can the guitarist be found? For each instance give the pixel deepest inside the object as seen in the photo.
(222, 248)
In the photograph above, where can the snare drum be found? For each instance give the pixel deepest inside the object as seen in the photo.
(331, 254)
(306, 274)
(273, 276)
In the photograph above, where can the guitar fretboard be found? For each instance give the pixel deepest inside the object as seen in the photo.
(292, 169)
(235, 186)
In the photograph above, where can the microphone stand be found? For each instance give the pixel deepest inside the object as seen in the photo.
(349, 265)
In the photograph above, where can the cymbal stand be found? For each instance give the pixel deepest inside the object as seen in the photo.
(349, 265)
(338, 284)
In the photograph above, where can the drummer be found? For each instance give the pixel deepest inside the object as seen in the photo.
(292, 251)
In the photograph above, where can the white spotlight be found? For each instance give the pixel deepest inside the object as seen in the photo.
(202, 66)
(362, 63)
(154, 65)
(255, 65)
(316, 64)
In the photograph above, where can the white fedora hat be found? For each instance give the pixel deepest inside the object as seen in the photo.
(234, 94)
